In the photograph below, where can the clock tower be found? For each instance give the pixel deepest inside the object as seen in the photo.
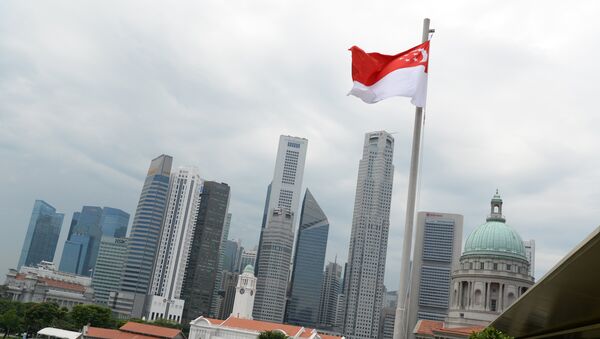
(244, 294)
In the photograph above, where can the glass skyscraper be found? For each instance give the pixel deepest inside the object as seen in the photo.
(307, 275)
(87, 228)
(42, 235)
(146, 227)
(109, 266)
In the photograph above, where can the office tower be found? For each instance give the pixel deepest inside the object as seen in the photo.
(331, 288)
(42, 235)
(109, 268)
(174, 248)
(274, 266)
(217, 296)
(307, 275)
(229, 283)
(201, 275)
(245, 292)
(284, 190)
(87, 228)
(369, 236)
(248, 257)
(231, 255)
(146, 227)
(530, 254)
(438, 245)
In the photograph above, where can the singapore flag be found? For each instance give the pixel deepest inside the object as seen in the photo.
(378, 76)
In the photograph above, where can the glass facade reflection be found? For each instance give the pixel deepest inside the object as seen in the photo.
(42, 235)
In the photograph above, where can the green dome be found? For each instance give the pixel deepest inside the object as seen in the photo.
(249, 269)
(495, 238)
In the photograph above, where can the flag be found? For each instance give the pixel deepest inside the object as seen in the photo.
(378, 76)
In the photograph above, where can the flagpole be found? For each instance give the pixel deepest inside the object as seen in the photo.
(401, 322)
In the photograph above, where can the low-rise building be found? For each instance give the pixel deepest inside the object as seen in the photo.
(132, 330)
(45, 283)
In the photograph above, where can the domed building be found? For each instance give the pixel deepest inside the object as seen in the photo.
(492, 274)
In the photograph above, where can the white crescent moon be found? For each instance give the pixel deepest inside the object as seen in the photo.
(423, 54)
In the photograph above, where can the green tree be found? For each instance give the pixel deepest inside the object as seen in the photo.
(41, 315)
(10, 322)
(489, 333)
(94, 315)
(271, 335)
(167, 323)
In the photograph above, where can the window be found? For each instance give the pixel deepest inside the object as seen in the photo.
(481, 265)
(508, 268)
(493, 305)
(495, 266)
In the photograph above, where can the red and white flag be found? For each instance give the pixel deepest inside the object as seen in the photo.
(378, 76)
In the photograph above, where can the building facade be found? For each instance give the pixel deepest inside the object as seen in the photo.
(248, 257)
(173, 253)
(330, 289)
(45, 283)
(42, 235)
(231, 256)
(274, 266)
(286, 187)
(227, 293)
(437, 250)
(363, 286)
(309, 257)
(199, 286)
(218, 293)
(245, 292)
(530, 254)
(109, 268)
(87, 228)
(146, 227)
(493, 272)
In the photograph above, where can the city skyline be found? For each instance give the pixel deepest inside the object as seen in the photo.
(122, 99)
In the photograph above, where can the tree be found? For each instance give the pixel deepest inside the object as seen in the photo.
(271, 335)
(167, 323)
(42, 315)
(10, 322)
(489, 333)
(94, 315)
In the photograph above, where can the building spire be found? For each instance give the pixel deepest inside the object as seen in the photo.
(496, 208)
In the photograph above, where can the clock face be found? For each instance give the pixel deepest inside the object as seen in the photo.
(242, 291)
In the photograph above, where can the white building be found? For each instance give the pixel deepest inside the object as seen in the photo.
(363, 285)
(236, 328)
(530, 254)
(245, 292)
(45, 283)
(178, 228)
(437, 250)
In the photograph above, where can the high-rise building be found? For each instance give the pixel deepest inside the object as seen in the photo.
(274, 266)
(248, 257)
(284, 190)
(199, 288)
(87, 228)
(231, 255)
(173, 253)
(331, 288)
(228, 285)
(146, 228)
(42, 235)
(530, 254)
(307, 275)
(217, 293)
(109, 268)
(438, 245)
(363, 286)
(245, 292)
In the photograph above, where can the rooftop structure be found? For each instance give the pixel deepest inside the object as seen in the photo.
(133, 330)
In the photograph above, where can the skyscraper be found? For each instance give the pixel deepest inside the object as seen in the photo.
(368, 238)
(175, 244)
(199, 290)
(248, 257)
(228, 285)
(146, 227)
(274, 266)
(231, 256)
(87, 228)
(284, 190)
(438, 244)
(217, 297)
(530, 254)
(331, 288)
(42, 235)
(109, 267)
(307, 275)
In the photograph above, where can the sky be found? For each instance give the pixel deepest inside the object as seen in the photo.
(91, 91)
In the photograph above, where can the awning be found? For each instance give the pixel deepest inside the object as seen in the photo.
(58, 333)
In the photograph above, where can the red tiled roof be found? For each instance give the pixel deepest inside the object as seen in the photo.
(260, 326)
(150, 330)
(427, 326)
(461, 330)
(63, 285)
(105, 333)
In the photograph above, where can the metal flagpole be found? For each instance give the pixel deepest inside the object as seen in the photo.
(400, 330)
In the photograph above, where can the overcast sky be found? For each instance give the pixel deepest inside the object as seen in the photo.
(90, 92)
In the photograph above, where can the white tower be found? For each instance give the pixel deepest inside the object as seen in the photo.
(244, 294)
